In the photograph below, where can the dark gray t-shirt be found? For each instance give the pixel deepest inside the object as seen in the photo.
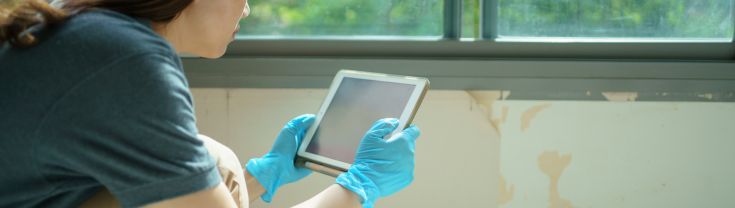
(102, 101)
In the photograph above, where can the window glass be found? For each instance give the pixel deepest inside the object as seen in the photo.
(616, 18)
(470, 18)
(344, 18)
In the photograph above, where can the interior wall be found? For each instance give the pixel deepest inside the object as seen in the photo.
(479, 150)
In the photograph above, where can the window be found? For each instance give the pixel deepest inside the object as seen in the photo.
(313, 18)
(616, 18)
(648, 19)
(505, 44)
(588, 29)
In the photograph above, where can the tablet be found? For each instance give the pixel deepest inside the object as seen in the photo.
(354, 102)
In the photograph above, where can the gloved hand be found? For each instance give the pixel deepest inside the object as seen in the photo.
(277, 167)
(381, 167)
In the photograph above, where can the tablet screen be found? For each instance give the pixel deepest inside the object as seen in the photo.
(356, 105)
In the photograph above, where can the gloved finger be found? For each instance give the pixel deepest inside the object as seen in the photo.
(408, 135)
(299, 124)
(412, 133)
(302, 172)
(381, 128)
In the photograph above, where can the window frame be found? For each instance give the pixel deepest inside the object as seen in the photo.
(665, 70)
(487, 46)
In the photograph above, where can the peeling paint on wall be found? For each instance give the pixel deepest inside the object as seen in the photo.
(505, 94)
(503, 117)
(486, 101)
(506, 193)
(553, 164)
(620, 96)
(530, 114)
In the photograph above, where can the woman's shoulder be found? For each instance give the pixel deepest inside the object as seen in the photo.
(107, 32)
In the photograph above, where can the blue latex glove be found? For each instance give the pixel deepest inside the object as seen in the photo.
(277, 168)
(382, 167)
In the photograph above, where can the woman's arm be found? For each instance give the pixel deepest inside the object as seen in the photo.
(332, 196)
(213, 197)
(253, 186)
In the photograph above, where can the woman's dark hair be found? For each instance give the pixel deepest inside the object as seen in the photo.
(18, 16)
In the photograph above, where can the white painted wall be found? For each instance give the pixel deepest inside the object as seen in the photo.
(617, 154)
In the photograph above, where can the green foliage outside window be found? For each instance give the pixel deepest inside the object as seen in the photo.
(616, 18)
(345, 17)
(526, 18)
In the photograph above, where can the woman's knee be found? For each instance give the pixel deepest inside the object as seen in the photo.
(229, 168)
(221, 153)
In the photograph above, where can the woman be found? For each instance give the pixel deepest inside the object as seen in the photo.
(93, 98)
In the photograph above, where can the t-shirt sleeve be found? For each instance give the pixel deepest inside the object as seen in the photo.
(131, 127)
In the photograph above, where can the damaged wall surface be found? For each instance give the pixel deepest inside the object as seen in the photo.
(478, 149)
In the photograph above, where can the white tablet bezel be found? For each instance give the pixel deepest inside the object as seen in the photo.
(421, 86)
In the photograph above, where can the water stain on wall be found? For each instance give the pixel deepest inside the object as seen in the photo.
(486, 101)
(505, 94)
(506, 192)
(504, 116)
(553, 164)
(530, 114)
